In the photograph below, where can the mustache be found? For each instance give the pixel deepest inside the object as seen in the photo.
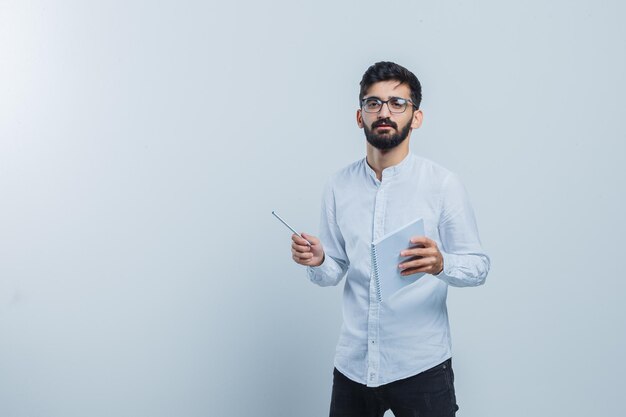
(386, 122)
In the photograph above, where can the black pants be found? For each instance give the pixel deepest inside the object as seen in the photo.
(427, 394)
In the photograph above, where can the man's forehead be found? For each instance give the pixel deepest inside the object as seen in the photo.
(389, 88)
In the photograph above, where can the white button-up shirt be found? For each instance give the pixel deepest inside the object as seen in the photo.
(409, 332)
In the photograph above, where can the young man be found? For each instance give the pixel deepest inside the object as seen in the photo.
(395, 354)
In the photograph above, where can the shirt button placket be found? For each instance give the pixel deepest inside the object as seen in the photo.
(373, 319)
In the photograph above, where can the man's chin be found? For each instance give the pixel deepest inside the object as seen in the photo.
(385, 141)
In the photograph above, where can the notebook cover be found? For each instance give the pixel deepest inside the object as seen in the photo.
(386, 258)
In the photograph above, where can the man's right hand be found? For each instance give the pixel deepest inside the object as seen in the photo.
(304, 254)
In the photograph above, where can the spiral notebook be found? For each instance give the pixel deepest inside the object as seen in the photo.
(386, 258)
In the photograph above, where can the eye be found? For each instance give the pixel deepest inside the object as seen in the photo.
(397, 103)
(372, 103)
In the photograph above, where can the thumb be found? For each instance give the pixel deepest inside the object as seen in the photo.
(312, 239)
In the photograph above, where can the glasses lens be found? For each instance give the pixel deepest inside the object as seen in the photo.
(397, 105)
(372, 105)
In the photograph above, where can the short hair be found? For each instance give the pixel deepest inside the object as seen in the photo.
(385, 71)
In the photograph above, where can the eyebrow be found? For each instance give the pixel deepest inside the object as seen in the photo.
(390, 97)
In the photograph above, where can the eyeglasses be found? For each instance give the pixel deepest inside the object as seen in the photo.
(394, 104)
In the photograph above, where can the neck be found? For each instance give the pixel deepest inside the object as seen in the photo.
(379, 159)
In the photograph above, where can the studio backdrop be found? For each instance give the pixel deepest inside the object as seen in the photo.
(143, 146)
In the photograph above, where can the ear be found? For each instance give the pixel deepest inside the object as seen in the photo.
(359, 118)
(416, 122)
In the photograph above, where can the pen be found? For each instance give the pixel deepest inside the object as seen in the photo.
(290, 228)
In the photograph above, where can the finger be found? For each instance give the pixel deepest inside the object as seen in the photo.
(297, 239)
(414, 271)
(300, 248)
(298, 260)
(301, 255)
(418, 263)
(421, 252)
(312, 239)
(422, 240)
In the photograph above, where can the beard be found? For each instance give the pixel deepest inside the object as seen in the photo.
(386, 141)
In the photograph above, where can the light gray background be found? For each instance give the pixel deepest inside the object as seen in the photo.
(144, 144)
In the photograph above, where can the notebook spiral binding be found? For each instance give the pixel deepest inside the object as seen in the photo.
(375, 270)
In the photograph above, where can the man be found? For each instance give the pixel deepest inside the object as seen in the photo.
(394, 354)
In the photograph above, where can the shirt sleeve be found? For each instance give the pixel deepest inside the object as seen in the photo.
(335, 264)
(464, 262)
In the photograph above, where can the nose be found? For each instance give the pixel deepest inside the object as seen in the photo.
(384, 112)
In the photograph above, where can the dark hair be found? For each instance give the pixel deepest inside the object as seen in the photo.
(385, 71)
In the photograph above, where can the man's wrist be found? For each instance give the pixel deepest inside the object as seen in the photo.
(443, 264)
(441, 270)
(320, 264)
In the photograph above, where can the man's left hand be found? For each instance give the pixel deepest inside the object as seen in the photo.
(423, 258)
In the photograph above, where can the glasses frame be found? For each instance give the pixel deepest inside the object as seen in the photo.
(383, 102)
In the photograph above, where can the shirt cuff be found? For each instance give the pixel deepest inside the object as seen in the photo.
(328, 270)
(462, 270)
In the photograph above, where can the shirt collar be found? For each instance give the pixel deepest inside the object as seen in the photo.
(391, 171)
